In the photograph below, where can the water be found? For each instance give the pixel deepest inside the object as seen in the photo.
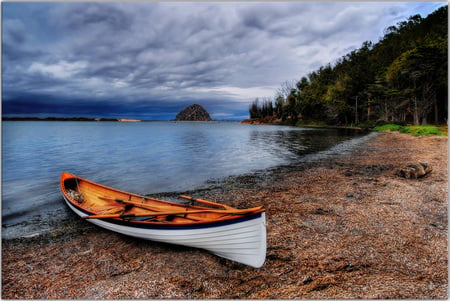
(144, 157)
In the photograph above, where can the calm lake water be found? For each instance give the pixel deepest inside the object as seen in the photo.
(144, 157)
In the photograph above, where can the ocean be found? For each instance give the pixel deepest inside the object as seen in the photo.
(140, 157)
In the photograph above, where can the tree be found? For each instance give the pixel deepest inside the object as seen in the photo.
(254, 109)
(415, 73)
(279, 106)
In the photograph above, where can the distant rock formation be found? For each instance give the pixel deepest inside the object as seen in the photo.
(193, 112)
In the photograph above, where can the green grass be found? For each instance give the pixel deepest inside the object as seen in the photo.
(415, 130)
(388, 127)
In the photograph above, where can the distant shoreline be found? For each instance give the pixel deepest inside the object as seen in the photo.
(70, 119)
(96, 119)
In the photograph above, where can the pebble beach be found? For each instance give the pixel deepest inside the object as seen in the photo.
(344, 228)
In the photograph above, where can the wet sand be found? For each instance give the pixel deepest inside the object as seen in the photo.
(346, 227)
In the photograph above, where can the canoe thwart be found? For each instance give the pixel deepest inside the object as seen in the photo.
(186, 197)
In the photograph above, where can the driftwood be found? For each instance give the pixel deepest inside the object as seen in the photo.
(415, 171)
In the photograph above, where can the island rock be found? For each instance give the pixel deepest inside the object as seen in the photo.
(193, 112)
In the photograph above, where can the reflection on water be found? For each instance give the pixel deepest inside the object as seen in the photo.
(146, 157)
(297, 143)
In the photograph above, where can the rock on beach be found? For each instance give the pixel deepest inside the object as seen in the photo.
(341, 228)
(415, 171)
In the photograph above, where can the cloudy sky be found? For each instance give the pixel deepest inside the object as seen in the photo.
(148, 60)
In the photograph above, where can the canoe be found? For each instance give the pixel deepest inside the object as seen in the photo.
(234, 234)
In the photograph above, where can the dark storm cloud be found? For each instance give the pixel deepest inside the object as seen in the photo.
(93, 15)
(14, 32)
(14, 37)
(152, 56)
(48, 104)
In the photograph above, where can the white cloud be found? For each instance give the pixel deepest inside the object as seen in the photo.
(238, 94)
(60, 70)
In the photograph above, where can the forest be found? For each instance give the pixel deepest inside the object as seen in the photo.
(401, 79)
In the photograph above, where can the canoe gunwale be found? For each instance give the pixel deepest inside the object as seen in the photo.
(227, 219)
(168, 226)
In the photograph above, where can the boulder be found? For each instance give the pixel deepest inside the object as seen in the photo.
(415, 171)
(193, 112)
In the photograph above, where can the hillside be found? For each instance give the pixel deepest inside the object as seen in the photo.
(403, 78)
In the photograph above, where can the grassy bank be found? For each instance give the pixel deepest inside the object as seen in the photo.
(415, 130)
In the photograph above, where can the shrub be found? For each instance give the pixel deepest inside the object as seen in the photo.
(416, 130)
(388, 127)
(422, 130)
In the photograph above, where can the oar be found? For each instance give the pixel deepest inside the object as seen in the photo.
(154, 208)
(143, 206)
(130, 215)
(140, 205)
(205, 202)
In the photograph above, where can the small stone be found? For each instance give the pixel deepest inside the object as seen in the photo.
(307, 279)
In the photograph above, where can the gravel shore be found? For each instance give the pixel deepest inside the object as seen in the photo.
(346, 227)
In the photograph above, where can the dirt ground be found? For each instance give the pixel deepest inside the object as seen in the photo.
(346, 227)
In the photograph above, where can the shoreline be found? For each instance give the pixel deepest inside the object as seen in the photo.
(34, 226)
(344, 227)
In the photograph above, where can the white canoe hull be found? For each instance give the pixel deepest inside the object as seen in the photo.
(242, 240)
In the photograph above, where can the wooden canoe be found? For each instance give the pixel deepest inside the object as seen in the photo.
(235, 234)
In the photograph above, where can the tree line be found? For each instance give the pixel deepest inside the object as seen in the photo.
(401, 79)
